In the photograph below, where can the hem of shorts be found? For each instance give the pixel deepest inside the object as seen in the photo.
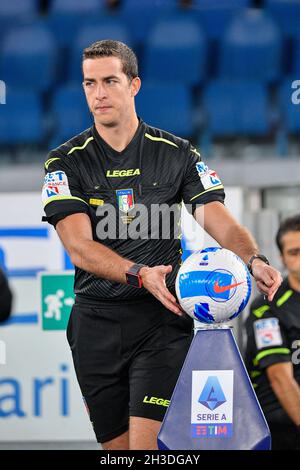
(112, 435)
(145, 414)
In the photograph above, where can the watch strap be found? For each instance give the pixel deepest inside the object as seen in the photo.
(257, 256)
(135, 268)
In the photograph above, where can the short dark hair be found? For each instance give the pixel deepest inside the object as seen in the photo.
(291, 224)
(108, 48)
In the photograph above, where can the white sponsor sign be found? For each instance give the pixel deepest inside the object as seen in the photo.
(39, 395)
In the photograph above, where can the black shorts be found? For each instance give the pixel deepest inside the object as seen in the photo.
(127, 358)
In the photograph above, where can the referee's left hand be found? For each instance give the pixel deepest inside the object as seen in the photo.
(268, 279)
(154, 280)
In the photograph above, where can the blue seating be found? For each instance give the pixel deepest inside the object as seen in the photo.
(295, 56)
(139, 16)
(176, 51)
(148, 4)
(70, 113)
(17, 8)
(287, 15)
(21, 119)
(219, 4)
(78, 7)
(290, 111)
(251, 48)
(66, 17)
(28, 58)
(112, 29)
(236, 107)
(166, 106)
(215, 15)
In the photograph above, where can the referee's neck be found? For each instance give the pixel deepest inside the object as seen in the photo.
(120, 135)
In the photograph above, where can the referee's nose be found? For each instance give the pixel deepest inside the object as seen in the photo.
(101, 92)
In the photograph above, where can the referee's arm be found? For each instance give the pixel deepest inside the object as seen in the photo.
(75, 232)
(286, 388)
(216, 219)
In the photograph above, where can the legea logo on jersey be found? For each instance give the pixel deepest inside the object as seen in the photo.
(212, 404)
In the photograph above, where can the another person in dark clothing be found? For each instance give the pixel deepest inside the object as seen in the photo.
(273, 349)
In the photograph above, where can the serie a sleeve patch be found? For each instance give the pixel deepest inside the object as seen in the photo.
(267, 333)
(208, 177)
(55, 184)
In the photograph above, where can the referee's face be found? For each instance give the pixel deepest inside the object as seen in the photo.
(291, 253)
(109, 94)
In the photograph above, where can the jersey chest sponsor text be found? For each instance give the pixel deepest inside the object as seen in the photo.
(122, 173)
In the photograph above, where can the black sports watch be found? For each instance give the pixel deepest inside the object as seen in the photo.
(258, 256)
(132, 276)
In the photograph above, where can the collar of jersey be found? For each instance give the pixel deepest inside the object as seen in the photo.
(110, 151)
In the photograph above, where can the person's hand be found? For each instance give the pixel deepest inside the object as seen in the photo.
(154, 280)
(268, 279)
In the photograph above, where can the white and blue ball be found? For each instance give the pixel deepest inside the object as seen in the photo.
(213, 285)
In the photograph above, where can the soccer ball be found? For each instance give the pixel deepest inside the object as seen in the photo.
(213, 285)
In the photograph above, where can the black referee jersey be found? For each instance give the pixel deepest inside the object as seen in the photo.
(273, 332)
(127, 196)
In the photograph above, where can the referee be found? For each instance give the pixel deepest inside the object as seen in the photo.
(113, 193)
(273, 346)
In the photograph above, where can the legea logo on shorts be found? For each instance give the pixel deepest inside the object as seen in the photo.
(212, 404)
(156, 401)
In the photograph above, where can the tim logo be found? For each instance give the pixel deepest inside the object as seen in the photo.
(212, 405)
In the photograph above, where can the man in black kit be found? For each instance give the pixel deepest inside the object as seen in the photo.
(103, 189)
(273, 346)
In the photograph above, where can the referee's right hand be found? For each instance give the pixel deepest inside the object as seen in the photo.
(154, 280)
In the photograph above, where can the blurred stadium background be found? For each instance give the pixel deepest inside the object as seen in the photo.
(222, 73)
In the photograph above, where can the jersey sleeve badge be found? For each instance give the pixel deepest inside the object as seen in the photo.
(267, 333)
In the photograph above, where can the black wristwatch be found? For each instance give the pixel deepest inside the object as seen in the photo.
(258, 256)
(132, 276)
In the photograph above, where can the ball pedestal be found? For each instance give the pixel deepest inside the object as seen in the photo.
(214, 406)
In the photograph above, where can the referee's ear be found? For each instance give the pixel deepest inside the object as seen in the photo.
(135, 86)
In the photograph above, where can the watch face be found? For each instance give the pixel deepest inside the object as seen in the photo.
(133, 280)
